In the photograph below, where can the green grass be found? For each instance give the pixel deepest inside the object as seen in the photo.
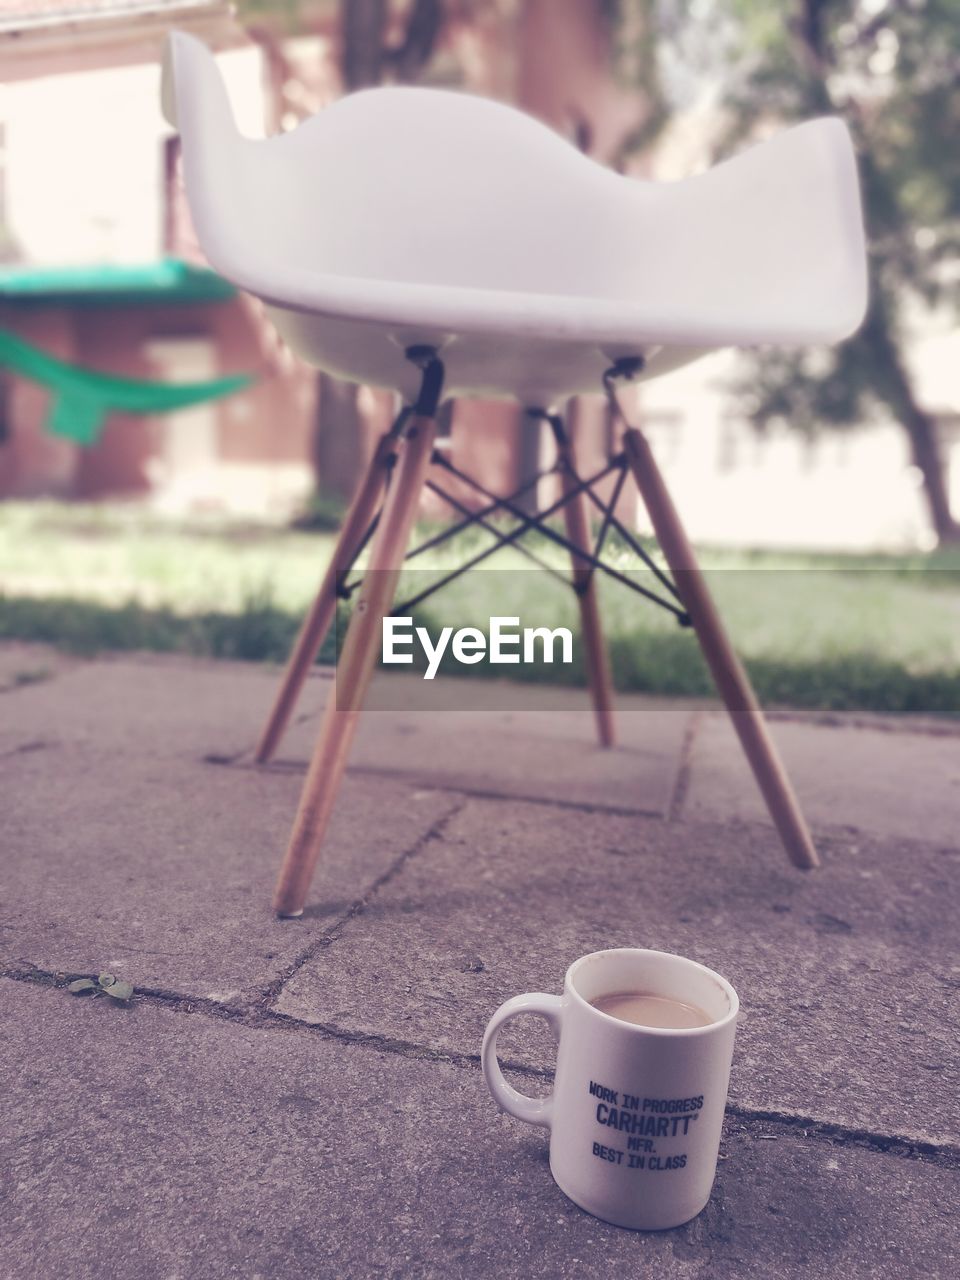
(871, 632)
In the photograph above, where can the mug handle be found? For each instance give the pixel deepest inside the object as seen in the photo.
(531, 1110)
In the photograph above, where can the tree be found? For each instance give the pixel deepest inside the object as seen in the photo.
(890, 68)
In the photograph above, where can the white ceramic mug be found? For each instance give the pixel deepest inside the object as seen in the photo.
(636, 1112)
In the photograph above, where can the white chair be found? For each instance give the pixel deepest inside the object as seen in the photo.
(441, 244)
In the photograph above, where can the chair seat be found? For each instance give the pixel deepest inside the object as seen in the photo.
(406, 215)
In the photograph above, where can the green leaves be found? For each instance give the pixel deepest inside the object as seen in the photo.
(106, 985)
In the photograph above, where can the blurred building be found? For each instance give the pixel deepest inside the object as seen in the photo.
(99, 267)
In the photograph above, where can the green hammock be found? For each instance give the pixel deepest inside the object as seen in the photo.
(82, 398)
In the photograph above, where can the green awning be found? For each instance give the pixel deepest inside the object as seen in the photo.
(82, 398)
(113, 284)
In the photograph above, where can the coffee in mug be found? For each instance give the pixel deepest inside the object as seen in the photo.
(644, 1009)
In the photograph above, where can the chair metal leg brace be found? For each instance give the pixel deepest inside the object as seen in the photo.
(474, 518)
(470, 517)
(528, 522)
(360, 525)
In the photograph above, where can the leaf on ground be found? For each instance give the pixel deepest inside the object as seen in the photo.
(81, 985)
(119, 990)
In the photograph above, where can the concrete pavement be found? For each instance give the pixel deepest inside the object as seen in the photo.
(303, 1098)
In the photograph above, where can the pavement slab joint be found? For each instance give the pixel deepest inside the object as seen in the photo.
(760, 1125)
(681, 783)
(357, 907)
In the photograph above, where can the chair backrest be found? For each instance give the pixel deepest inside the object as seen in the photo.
(433, 187)
(396, 183)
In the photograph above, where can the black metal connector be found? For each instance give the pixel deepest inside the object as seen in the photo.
(626, 368)
(431, 384)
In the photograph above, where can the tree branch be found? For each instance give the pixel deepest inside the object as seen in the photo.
(362, 24)
(424, 22)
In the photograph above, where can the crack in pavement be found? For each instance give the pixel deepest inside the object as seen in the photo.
(781, 1123)
(426, 781)
(756, 1124)
(25, 680)
(681, 782)
(939, 725)
(24, 748)
(435, 831)
(258, 1008)
(826, 833)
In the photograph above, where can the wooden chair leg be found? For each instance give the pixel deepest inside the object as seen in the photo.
(599, 680)
(728, 673)
(355, 670)
(318, 621)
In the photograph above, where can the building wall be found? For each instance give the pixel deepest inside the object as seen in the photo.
(267, 425)
(85, 158)
(85, 182)
(33, 462)
(853, 489)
